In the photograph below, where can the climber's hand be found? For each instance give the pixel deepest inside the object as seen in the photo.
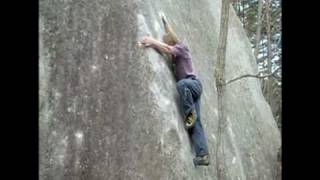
(147, 40)
(141, 45)
(163, 20)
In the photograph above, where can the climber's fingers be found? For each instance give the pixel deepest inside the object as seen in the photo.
(145, 42)
(146, 39)
(163, 19)
(141, 45)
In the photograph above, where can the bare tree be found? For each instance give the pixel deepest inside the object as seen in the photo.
(258, 32)
(267, 88)
(268, 34)
(243, 14)
(221, 88)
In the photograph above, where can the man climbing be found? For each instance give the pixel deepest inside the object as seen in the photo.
(188, 85)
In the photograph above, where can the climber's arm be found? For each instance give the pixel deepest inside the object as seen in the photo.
(149, 41)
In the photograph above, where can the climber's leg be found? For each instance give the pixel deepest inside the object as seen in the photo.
(197, 134)
(189, 89)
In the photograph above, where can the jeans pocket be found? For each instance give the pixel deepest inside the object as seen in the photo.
(200, 85)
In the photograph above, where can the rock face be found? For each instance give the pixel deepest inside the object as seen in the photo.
(109, 110)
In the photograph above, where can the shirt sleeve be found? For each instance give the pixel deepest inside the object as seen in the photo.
(177, 50)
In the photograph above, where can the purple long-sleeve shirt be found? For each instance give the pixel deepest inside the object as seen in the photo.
(183, 61)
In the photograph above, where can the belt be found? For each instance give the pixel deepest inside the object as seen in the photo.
(191, 77)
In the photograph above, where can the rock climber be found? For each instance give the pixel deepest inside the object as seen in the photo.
(188, 86)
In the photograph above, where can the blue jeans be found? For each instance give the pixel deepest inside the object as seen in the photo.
(190, 90)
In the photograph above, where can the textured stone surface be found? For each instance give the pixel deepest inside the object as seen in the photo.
(109, 110)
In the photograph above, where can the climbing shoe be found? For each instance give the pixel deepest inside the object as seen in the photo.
(201, 160)
(191, 119)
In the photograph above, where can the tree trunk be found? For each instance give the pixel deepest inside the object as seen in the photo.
(242, 9)
(269, 55)
(238, 5)
(221, 89)
(268, 35)
(258, 32)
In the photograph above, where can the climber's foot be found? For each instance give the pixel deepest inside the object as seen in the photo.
(191, 119)
(201, 160)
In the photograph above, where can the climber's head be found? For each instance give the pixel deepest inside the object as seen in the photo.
(170, 38)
